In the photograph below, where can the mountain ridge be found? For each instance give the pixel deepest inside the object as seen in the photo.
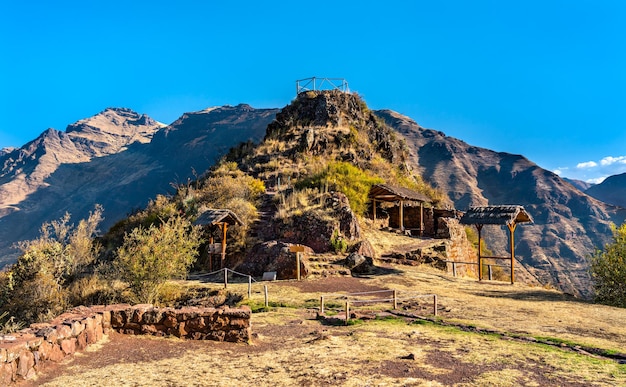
(612, 190)
(68, 179)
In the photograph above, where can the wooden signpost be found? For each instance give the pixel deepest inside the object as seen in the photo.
(298, 249)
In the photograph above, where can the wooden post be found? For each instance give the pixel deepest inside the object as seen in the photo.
(347, 311)
(374, 210)
(225, 278)
(298, 249)
(401, 215)
(224, 228)
(322, 305)
(479, 227)
(489, 269)
(211, 255)
(435, 304)
(512, 232)
(249, 286)
(421, 219)
(453, 269)
(267, 302)
(395, 299)
(298, 265)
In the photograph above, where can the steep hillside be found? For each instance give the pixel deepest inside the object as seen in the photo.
(581, 185)
(59, 172)
(568, 226)
(612, 190)
(26, 169)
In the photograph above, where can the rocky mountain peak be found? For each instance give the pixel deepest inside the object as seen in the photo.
(336, 125)
(111, 130)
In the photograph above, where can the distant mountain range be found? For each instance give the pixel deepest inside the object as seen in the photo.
(122, 159)
(581, 185)
(119, 159)
(611, 190)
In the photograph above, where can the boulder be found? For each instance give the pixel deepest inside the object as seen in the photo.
(364, 248)
(274, 256)
(358, 263)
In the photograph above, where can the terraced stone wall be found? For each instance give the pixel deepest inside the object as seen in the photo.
(28, 351)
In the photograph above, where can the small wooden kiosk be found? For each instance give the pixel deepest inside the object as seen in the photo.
(509, 215)
(212, 219)
(400, 195)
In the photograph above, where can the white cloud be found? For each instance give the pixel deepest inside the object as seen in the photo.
(558, 172)
(597, 180)
(588, 164)
(612, 160)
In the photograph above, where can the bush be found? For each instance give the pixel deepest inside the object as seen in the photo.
(608, 269)
(34, 288)
(150, 256)
(338, 243)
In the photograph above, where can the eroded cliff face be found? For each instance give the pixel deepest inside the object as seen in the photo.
(568, 225)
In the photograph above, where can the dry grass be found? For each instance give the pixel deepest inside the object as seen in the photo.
(292, 348)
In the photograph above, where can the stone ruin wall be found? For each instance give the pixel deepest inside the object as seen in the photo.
(459, 248)
(28, 351)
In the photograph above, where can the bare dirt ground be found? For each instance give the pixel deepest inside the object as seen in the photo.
(292, 348)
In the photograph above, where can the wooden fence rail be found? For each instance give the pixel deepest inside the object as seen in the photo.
(351, 300)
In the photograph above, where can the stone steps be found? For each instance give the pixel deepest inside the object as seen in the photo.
(325, 265)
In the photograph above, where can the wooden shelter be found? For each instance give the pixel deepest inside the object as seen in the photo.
(400, 195)
(219, 218)
(509, 215)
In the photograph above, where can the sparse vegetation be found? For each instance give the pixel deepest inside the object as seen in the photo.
(341, 176)
(338, 243)
(150, 256)
(608, 268)
(35, 287)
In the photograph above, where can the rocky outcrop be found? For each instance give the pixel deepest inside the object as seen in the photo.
(307, 119)
(316, 227)
(277, 257)
(27, 352)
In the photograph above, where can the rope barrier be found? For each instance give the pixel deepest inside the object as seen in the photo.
(195, 276)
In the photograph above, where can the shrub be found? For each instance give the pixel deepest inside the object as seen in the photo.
(608, 269)
(150, 256)
(338, 243)
(34, 288)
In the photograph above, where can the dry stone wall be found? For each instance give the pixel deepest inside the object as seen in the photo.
(25, 353)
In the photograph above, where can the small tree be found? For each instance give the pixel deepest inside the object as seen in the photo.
(608, 269)
(150, 256)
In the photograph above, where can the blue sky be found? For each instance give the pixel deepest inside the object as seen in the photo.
(546, 79)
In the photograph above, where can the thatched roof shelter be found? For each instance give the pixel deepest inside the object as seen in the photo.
(211, 217)
(505, 215)
(509, 215)
(218, 218)
(391, 193)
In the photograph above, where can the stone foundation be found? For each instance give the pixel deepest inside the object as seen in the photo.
(26, 352)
